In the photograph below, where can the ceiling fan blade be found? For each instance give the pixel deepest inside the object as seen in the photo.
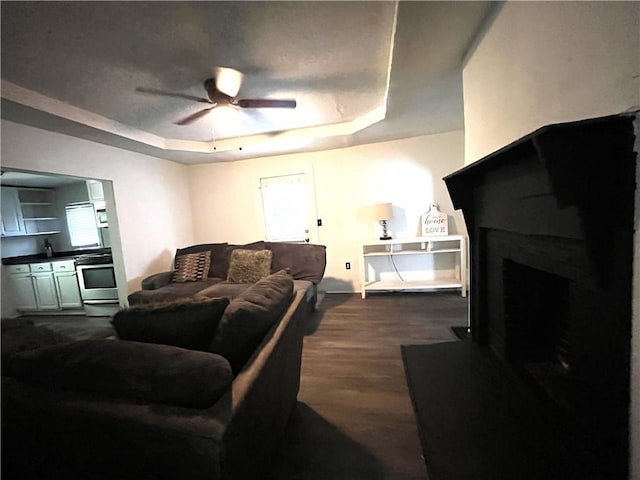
(155, 91)
(194, 116)
(265, 103)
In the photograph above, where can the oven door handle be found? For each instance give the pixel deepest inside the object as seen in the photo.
(100, 302)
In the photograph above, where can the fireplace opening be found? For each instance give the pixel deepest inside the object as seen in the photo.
(537, 340)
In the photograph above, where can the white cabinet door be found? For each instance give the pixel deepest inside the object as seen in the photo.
(68, 290)
(96, 192)
(46, 294)
(10, 209)
(25, 294)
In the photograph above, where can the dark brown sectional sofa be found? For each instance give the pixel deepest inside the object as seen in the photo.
(172, 397)
(305, 261)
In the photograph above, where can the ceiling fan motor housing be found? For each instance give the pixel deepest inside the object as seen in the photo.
(213, 93)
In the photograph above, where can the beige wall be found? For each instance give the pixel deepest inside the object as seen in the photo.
(407, 173)
(151, 195)
(548, 62)
(155, 200)
(634, 421)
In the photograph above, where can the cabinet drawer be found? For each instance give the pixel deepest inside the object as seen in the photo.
(41, 267)
(64, 266)
(18, 268)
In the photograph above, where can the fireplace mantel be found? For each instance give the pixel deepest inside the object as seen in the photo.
(550, 222)
(586, 168)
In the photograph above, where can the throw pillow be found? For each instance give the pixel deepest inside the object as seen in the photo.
(219, 257)
(249, 266)
(192, 267)
(259, 245)
(153, 373)
(189, 323)
(249, 317)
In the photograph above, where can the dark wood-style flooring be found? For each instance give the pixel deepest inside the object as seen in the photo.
(354, 418)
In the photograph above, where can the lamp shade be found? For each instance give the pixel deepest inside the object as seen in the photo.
(383, 211)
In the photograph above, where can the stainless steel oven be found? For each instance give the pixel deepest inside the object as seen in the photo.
(97, 281)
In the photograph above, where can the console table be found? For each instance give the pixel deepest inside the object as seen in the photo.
(451, 245)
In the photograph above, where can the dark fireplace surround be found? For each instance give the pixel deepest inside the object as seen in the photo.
(550, 221)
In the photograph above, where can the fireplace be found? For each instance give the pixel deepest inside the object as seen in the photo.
(537, 327)
(550, 220)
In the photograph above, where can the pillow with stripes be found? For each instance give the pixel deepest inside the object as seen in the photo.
(192, 267)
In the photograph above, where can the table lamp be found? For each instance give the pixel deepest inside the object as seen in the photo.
(382, 213)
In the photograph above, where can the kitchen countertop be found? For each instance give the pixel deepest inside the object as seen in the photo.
(42, 257)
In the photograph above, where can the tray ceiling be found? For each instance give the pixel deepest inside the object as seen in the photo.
(360, 71)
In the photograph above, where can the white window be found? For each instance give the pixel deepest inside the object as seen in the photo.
(81, 222)
(285, 207)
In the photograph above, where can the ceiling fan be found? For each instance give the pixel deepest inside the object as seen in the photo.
(221, 90)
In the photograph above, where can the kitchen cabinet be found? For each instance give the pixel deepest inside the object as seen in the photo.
(28, 211)
(12, 222)
(37, 206)
(45, 286)
(25, 295)
(66, 280)
(96, 192)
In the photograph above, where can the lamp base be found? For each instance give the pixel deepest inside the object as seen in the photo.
(385, 230)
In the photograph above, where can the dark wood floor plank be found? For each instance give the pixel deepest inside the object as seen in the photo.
(354, 419)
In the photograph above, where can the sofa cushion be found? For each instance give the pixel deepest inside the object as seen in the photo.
(171, 292)
(249, 317)
(157, 280)
(224, 289)
(27, 337)
(192, 267)
(249, 266)
(188, 323)
(305, 261)
(153, 373)
(219, 257)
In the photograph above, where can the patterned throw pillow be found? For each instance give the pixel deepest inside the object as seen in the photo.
(192, 267)
(249, 266)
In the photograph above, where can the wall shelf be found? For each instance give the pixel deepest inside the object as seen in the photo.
(28, 211)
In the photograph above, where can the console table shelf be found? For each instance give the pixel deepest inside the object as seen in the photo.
(451, 245)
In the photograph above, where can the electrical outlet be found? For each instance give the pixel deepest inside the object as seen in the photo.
(347, 265)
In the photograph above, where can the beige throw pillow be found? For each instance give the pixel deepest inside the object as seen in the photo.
(192, 267)
(249, 266)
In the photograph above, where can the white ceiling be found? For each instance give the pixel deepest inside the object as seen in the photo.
(361, 72)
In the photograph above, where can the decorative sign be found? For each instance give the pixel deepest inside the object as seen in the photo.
(434, 222)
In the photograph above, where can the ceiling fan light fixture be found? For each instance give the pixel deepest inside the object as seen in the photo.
(228, 81)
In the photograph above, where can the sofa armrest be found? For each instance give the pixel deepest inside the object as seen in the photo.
(157, 280)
